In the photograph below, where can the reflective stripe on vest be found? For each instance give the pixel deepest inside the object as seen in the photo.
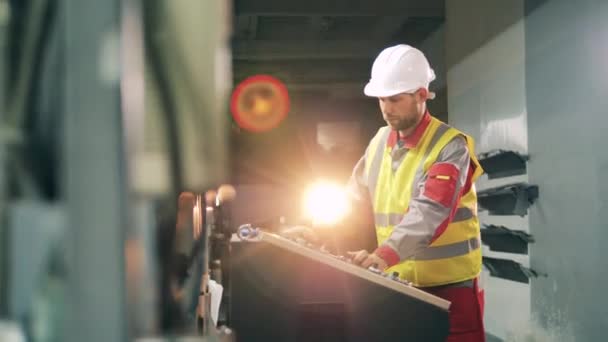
(449, 251)
(374, 168)
(393, 219)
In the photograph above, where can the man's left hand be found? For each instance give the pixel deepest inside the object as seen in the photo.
(365, 259)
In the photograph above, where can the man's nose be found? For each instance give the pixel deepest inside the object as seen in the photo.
(387, 109)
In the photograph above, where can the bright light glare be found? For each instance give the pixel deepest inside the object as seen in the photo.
(326, 203)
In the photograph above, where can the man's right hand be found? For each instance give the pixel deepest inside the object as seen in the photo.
(302, 232)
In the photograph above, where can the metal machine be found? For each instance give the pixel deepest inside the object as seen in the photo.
(305, 293)
(113, 109)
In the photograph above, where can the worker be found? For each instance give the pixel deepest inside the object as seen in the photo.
(419, 174)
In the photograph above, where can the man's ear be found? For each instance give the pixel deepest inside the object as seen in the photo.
(422, 95)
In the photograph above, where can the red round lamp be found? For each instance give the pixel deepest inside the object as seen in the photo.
(259, 103)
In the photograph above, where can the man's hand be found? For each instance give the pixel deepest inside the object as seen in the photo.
(302, 232)
(365, 259)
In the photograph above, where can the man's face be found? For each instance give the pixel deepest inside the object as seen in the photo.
(403, 111)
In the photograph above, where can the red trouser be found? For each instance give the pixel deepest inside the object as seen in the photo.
(466, 312)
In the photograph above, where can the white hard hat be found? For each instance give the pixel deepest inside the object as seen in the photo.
(399, 69)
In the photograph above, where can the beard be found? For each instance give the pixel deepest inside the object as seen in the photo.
(402, 124)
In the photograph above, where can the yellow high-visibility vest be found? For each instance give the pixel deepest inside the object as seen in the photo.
(455, 255)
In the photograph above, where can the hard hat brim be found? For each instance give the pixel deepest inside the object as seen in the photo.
(373, 91)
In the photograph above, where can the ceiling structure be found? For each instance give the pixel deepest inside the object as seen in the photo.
(325, 46)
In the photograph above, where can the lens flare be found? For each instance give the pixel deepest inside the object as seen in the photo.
(326, 203)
